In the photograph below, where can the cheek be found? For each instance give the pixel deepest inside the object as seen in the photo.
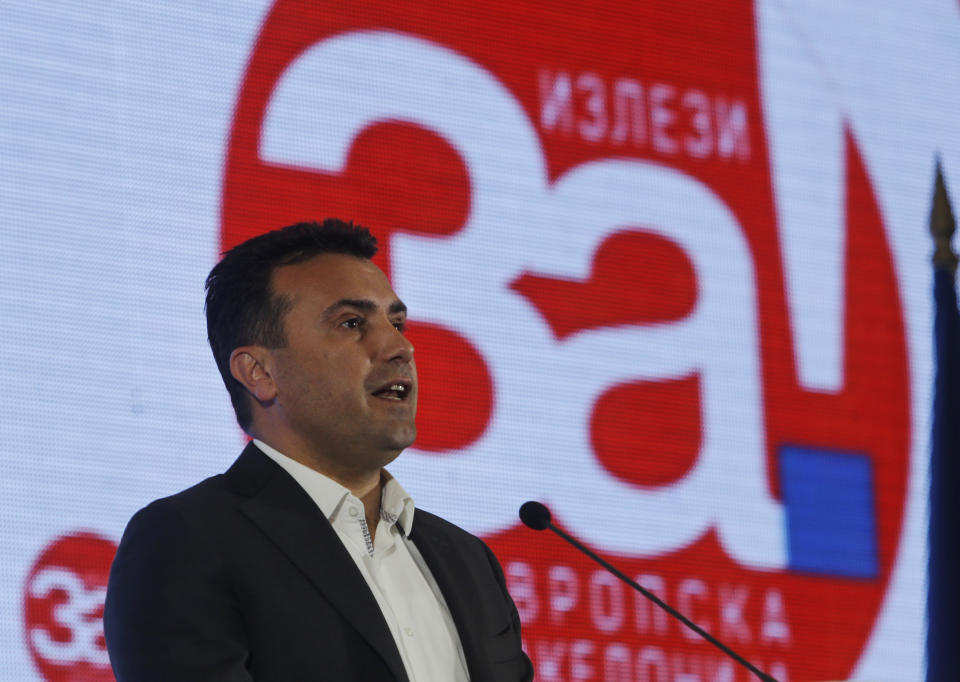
(338, 374)
(319, 373)
(305, 378)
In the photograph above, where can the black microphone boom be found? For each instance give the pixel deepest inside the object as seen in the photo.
(536, 516)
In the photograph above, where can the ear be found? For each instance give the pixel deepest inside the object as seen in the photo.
(250, 365)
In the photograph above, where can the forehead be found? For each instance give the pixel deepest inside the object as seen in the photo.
(331, 277)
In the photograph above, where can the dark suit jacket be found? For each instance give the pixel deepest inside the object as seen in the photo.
(242, 578)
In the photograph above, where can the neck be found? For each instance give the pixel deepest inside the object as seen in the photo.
(364, 485)
(369, 491)
(371, 506)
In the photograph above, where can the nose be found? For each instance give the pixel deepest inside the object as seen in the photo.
(395, 346)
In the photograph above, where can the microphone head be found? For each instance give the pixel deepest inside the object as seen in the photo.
(534, 515)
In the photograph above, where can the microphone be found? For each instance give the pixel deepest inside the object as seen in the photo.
(536, 516)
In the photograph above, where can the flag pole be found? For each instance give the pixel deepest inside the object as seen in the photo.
(943, 566)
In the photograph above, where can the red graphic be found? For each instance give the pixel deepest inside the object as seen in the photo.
(63, 609)
(690, 58)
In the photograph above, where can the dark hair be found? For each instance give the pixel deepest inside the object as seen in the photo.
(242, 308)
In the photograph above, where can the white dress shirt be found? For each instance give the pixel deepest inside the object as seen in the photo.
(401, 582)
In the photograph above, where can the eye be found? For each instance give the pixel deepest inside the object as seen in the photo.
(352, 323)
(400, 325)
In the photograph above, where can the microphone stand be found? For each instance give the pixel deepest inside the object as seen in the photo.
(536, 516)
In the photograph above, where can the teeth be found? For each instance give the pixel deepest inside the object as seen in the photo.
(393, 392)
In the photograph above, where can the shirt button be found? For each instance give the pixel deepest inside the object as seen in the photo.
(408, 632)
(354, 512)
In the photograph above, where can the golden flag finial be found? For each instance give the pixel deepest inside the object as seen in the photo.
(942, 225)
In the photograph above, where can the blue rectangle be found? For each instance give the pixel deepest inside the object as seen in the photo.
(830, 515)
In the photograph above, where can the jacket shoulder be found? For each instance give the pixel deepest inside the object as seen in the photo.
(219, 494)
(208, 491)
(427, 522)
(469, 544)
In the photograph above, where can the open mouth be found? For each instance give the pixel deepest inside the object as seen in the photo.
(395, 390)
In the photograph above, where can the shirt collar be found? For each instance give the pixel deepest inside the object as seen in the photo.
(396, 505)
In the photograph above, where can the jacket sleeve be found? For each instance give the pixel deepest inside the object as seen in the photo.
(169, 611)
(526, 666)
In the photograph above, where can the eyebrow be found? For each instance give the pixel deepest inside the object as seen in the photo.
(364, 305)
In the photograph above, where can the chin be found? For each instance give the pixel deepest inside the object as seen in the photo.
(401, 440)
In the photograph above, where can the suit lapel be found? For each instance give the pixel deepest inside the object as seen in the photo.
(287, 515)
(451, 574)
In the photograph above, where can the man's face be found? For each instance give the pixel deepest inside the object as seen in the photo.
(346, 380)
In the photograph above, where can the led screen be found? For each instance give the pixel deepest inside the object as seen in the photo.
(667, 271)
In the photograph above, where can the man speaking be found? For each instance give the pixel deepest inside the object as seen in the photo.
(306, 560)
